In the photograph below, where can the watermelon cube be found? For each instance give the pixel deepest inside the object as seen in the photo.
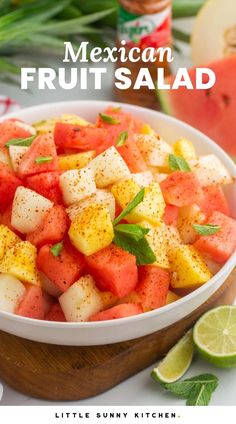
(8, 185)
(221, 245)
(181, 189)
(46, 184)
(62, 270)
(51, 229)
(171, 214)
(214, 200)
(114, 270)
(32, 304)
(118, 311)
(43, 146)
(55, 313)
(153, 286)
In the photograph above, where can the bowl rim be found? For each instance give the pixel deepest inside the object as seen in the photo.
(230, 263)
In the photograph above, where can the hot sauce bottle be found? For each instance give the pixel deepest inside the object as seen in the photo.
(144, 23)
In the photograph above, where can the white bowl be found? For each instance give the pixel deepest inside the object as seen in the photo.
(98, 333)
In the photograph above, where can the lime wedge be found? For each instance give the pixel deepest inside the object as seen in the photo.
(176, 362)
(214, 335)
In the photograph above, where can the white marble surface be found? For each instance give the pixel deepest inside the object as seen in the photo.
(140, 389)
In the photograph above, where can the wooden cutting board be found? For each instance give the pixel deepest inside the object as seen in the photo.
(72, 373)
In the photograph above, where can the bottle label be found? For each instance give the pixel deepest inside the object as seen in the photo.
(152, 30)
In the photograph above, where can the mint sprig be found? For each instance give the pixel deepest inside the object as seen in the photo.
(122, 138)
(43, 159)
(109, 119)
(140, 249)
(20, 141)
(56, 249)
(135, 202)
(207, 229)
(197, 390)
(177, 163)
(134, 231)
(131, 237)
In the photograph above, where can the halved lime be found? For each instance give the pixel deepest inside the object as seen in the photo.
(214, 335)
(176, 362)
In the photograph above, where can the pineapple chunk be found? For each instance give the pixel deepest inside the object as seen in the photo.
(28, 209)
(76, 160)
(7, 239)
(171, 297)
(173, 238)
(188, 216)
(210, 170)
(158, 242)
(81, 300)
(147, 130)
(154, 149)
(16, 154)
(76, 185)
(189, 269)
(109, 167)
(185, 149)
(108, 299)
(43, 127)
(20, 261)
(151, 208)
(11, 293)
(101, 196)
(92, 229)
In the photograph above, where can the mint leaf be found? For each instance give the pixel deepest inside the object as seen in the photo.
(21, 141)
(207, 229)
(140, 249)
(136, 232)
(177, 163)
(122, 138)
(190, 388)
(135, 202)
(43, 159)
(109, 119)
(200, 395)
(56, 249)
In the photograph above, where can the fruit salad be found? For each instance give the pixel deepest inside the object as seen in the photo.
(104, 220)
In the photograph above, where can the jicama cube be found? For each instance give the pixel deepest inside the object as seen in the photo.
(189, 269)
(20, 261)
(185, 149)
(7, 239)
(150, 209)
(210, 170)
(16, 154)
(76, 160)
(11, 292)
(109, 167)
(25, 127)
(101, 196)
(77, 184)
(81, 300)
(92, 229)
(28, 209)
(143, 179)
(154, 149)
(188, 216)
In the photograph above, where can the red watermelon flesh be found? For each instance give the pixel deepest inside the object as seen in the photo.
(212, 111)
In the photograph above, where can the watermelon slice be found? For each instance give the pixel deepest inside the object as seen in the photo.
(212, 111)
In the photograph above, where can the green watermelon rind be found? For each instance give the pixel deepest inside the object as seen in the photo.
(164, 100)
